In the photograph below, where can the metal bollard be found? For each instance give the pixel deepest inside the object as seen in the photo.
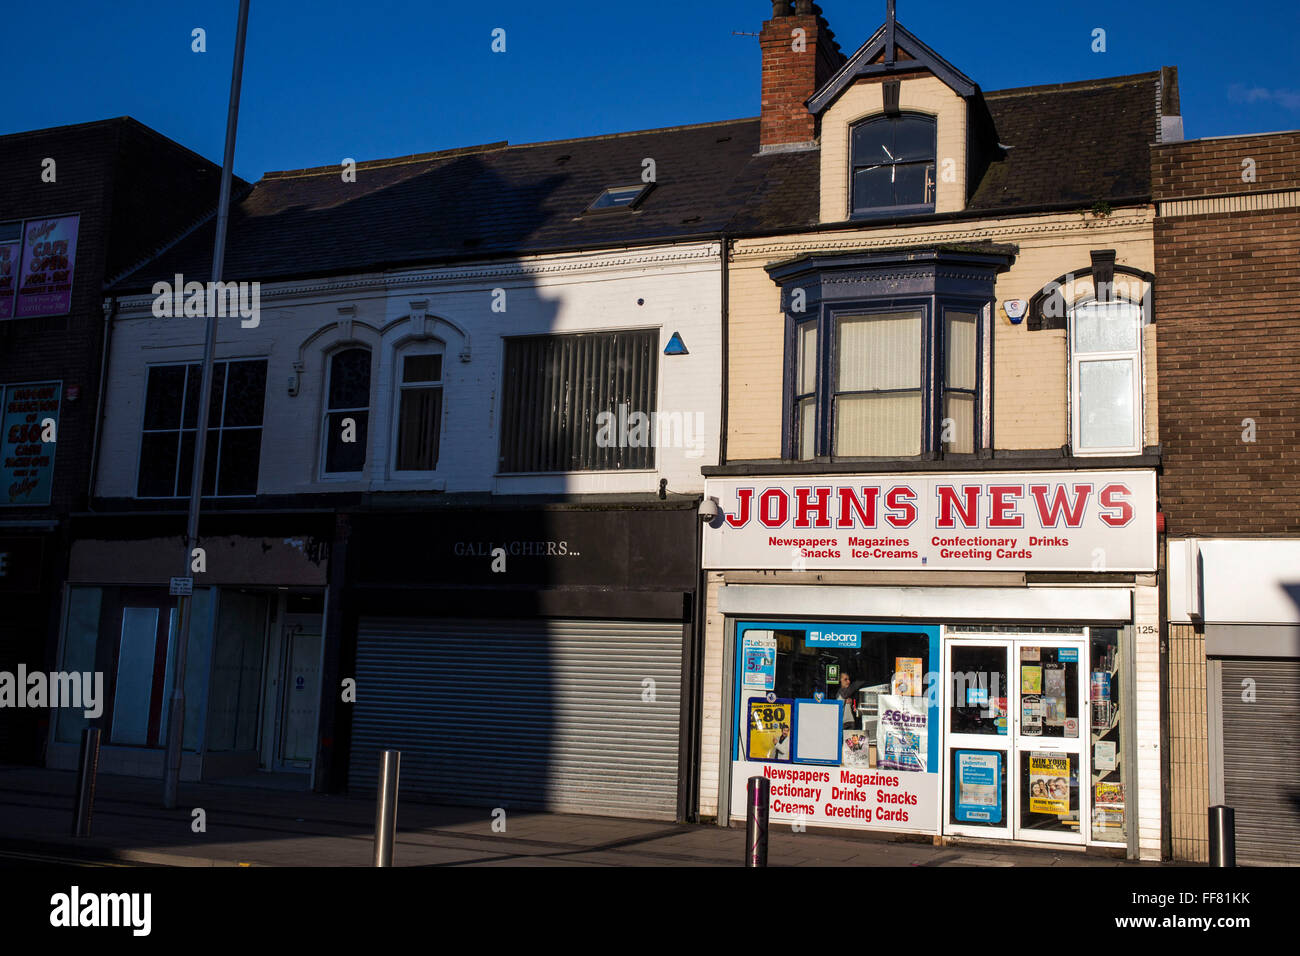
(1223, 836)
(756, 822)
(386, 808)
(87, 770)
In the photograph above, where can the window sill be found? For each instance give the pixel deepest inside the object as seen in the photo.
(1044, 461)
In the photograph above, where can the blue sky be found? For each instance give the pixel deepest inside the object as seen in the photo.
(339, 78)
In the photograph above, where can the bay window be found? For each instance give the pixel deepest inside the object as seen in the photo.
(889, 353)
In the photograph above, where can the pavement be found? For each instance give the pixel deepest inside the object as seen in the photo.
(246, 825)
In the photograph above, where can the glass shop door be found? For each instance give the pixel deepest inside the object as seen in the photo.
(1050, 724)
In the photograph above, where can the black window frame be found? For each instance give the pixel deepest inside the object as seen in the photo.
(932, 374)
(217, 431)
(858, 164)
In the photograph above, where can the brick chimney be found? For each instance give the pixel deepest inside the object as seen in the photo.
(794, 67)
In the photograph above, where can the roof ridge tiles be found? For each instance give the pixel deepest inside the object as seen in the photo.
(1096, 83)
(502, 145)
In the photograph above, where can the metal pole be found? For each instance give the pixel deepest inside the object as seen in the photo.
(1223, 836)
(87, 769)
(386, 807)
(756, 822)
(176, 713)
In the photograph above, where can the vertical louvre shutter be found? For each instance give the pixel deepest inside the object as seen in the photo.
(1261, 758)
(543, 714)
(556, 388)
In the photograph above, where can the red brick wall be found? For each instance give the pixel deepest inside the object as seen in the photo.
(1213, 167)
(790, 78)
(1228, 322)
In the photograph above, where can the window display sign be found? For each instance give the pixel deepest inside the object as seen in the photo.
(26, 460)
(904, 742)
(49, 256)
(979, 786)
(818, 731)
(758, 660)
(1049, 783)
(10, 256)
(908, 680)
(770, 729)
(1036, 521)
(861, 757)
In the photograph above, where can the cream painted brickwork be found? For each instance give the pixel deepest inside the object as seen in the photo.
(1031, 369)
(922, 94)
(1146, 617)
(711, 712)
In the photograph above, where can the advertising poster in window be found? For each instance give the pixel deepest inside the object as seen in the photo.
(10, 255)
(979, 786)
(49, 257)
(908, 680)
(27, 414)
(1049, 783)
(770, 732)
(903, 733)
(758, 660)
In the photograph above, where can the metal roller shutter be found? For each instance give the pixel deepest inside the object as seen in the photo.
(1261, 769)
(542, 714)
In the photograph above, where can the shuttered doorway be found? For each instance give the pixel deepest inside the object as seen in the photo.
(1261, 757)
(550, 714)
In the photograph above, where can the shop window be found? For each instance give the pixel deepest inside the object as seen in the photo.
(877, 672)
(581, 402)
(234, 443)
(881, 400)
(419, 411)
(129, 637)
(1109, 819)
(893, 159)
(347, 412)
(1106, 377)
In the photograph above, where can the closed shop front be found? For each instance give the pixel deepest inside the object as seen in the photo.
(524, 713)
(1243, 594)
(1261, 747)
(532, 658)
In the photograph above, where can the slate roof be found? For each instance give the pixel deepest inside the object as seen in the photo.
(1072, 143)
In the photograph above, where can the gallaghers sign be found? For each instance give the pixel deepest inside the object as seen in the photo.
(1039, 521)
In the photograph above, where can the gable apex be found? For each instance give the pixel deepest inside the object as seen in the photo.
(870, 60)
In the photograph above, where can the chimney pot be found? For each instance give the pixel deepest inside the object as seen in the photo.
(780, 8)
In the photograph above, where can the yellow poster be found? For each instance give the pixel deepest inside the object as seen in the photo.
(1049, 783)
(1031, 679)
(907, 677)
(769, 730)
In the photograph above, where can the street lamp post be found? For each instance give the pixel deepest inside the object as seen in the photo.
(176, 714)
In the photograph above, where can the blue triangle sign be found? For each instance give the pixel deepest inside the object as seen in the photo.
(676, 346)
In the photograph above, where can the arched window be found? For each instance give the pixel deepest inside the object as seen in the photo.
(893, 160)
(347, 412)
(418, 423)
(1106, 376)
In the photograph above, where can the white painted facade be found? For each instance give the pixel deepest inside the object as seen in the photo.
(675, 289)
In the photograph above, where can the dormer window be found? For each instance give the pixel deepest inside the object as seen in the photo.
(893, 159)
(619, 197)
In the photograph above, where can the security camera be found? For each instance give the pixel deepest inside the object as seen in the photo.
(708, 509)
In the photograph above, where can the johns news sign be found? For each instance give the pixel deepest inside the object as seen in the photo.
(1037, 521)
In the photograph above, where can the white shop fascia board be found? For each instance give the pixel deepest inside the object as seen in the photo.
(1073, 605)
